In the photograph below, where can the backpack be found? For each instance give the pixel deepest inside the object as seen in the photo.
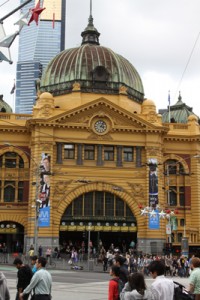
(180, 293)
(120, 286)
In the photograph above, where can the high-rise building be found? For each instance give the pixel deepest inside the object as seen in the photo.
(38, 44)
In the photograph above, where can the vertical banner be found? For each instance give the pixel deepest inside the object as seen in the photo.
(44, 194)
(174, 222)
(168, 228)
(154, 221)
(153, 182)
(184, 246)
(44, 217)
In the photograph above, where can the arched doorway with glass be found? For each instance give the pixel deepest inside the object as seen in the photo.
(102, 216)
(12, 235)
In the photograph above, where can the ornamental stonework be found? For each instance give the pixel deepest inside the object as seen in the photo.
(137, 190)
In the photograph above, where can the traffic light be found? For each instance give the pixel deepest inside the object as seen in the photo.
(168, 247)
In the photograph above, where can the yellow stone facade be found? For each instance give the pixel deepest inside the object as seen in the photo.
(71, 119)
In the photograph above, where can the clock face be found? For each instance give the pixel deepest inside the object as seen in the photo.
(100, 126)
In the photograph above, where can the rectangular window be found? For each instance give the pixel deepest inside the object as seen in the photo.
(119, 207)
(109, 204)
(20, 191)
(179, 237)
(9, 191)
(128, 153)
(182, 222)
(182, 195)
(10, 163)
(78, 206)
(89, 152)
(109, 153)
(173, 196)
(88, 204)
(69, 151)
(99, 204)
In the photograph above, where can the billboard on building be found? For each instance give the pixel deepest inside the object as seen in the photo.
(44, 191)
(153, 182)
(154, 220)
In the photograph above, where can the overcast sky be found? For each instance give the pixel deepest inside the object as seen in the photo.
(156, 36)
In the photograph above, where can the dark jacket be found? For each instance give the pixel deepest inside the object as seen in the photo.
(24, 277)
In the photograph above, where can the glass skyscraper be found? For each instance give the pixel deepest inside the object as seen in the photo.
(38, 44)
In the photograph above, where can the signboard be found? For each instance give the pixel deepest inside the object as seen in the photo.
(184, 246)
(133, 229)
(98, 228)
(153, 182)
(154, 221)
(8, 230)
(168, 228)
(44, 217)
(174, 223)
(44, 192)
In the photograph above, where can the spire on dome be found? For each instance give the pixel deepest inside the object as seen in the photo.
(179, 98)
(90, 34)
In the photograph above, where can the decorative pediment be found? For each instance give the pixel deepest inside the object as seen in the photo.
(117, 117)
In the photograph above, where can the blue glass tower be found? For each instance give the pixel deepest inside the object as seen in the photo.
(37, 46)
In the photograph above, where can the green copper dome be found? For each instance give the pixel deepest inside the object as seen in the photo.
(179, 112)
(96, 68)
(4, 107)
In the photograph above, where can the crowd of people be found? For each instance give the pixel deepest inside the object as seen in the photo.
(128, 272)
(127, 285)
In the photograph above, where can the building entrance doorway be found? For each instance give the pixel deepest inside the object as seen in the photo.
(102, 215)
(120, 240)
(12, 235)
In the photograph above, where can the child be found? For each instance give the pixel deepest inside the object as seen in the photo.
(113, 292)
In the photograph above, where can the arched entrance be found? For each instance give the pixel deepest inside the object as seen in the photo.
(12, 234)
(105, 216)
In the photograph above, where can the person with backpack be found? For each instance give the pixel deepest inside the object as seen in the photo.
(123, 274)
(115, 284)
(135, 288)
(24, 276)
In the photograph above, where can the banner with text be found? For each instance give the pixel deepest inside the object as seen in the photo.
(44, 193)
(153, 182)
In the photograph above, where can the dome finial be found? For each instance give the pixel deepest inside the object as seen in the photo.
(91, 8)
(90, 34)
(179, 97)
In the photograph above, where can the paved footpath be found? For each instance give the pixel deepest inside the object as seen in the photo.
(74, 285)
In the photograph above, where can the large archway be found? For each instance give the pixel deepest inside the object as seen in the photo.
(104, 215)
(12, 235)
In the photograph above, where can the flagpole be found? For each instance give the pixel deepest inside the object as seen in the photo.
(169, 107)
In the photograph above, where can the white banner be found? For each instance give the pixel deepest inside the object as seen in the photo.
(168, 229)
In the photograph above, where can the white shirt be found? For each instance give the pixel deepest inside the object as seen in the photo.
(162, 288)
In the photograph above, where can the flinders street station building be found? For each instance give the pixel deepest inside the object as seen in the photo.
(95, 158)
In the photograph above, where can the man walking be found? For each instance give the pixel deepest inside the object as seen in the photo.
(24, 276)
(41, 282)
(162, 288)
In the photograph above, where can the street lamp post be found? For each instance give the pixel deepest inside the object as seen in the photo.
(89, 230)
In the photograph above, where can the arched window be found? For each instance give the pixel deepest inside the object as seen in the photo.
(102, 206)
(174, 182)
(100, 77)
(11, 184)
